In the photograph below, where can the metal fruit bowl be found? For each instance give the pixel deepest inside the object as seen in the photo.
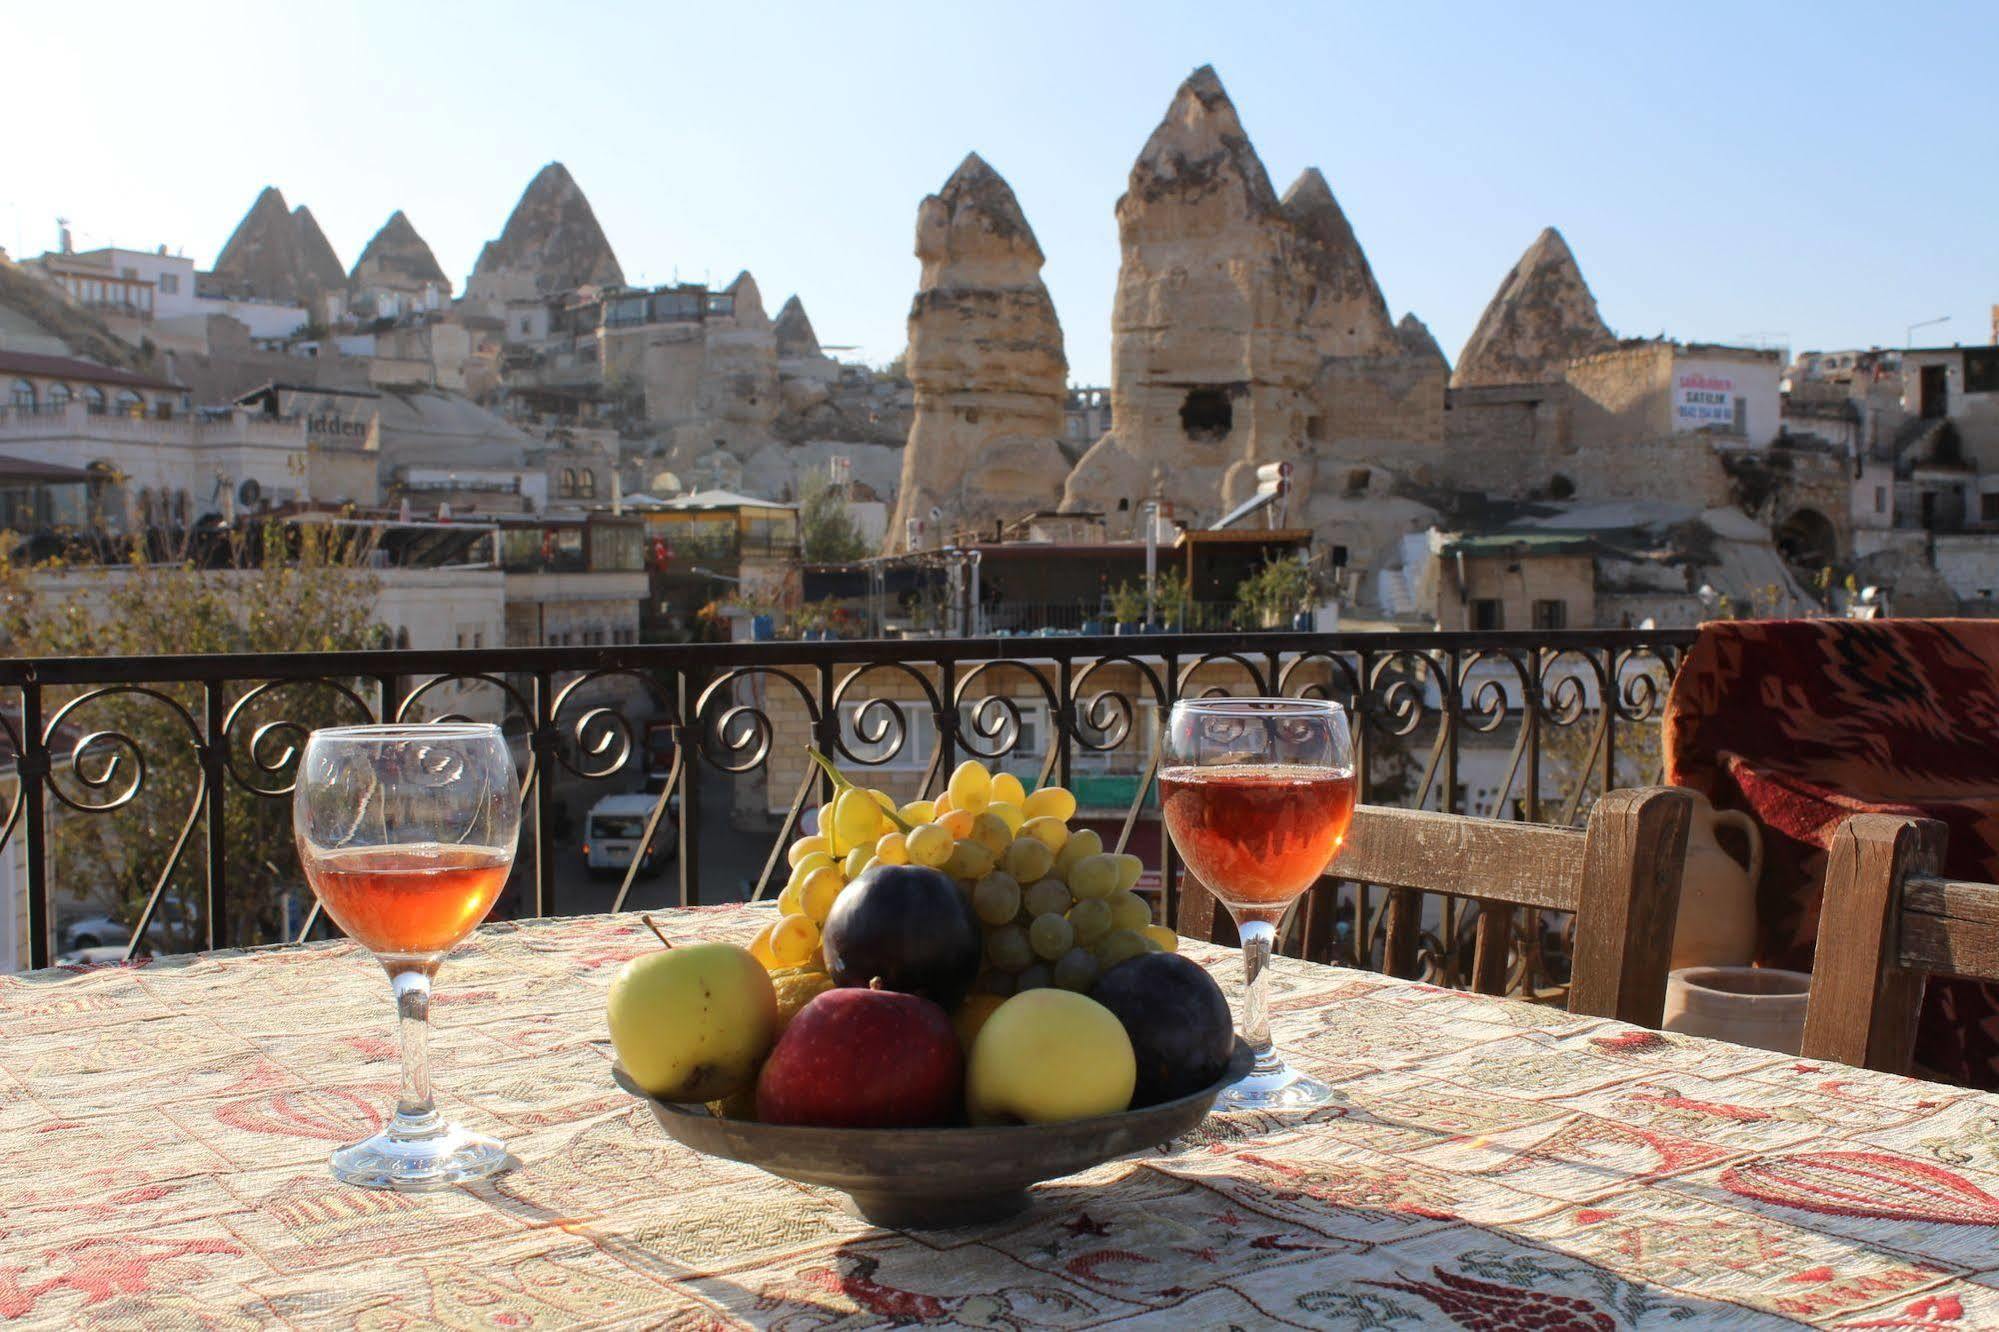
(932, 1178)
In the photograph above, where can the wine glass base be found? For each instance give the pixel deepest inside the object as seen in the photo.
(413, 1158)
(1275, 1085)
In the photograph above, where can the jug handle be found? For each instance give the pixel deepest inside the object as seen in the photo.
(1752, 833)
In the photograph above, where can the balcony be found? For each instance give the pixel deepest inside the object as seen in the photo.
(184, 763)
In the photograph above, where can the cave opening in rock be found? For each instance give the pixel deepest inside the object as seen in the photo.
(1207, 414)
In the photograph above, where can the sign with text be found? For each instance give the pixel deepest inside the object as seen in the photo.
(1703, 401)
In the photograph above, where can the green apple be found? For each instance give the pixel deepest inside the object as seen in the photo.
(693, 1023)
(1048, 1055)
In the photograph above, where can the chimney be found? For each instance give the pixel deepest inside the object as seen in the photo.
(63, 233)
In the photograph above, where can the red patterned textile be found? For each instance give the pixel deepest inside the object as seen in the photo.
(1804, 722)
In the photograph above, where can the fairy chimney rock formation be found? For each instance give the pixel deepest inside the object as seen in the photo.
(397, 257)
(1222, 302)
(1417, 342)
(1542, 317)
(1343, 303)
(552, 236)
(795, 337)
(276, 254)
(986, 359)
(321, 264)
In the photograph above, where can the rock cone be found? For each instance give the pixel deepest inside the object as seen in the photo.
(276, 254)
(794, 331)
(322, 265)
(1541, 317)
(986, 359)
(552, 235)
(1216, 329)
(398, 257)
(1343, 303)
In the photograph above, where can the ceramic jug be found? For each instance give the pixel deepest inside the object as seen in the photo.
(1717, 919)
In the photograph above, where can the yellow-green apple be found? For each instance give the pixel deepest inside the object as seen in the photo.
(692, 1023)
(1049, 1055)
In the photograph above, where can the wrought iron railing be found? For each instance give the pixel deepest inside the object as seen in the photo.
(1549, 720)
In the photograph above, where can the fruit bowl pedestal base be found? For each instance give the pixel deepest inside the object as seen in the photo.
(903, 1211)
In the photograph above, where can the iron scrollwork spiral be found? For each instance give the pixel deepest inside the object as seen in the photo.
(996, 717)
(737, 737)
(881, 724)
(274, 745)
(602, 736)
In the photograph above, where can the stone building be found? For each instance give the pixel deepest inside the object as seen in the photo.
(986, 359)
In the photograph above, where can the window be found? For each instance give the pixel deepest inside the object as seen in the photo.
(586, 484)
(24, 395)
(565, 488)
(479, 639)
(1488, 614)
(1551, 614)
(1981, 371)
(1988, 507)
(1880, 499)
(1741, 426)
(93, 399)
(169, 284)
(524, 325)
(58, 396)
(130, 404)
(1207, 414)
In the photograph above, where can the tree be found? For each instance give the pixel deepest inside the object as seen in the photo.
(278, 590)
(826, 530)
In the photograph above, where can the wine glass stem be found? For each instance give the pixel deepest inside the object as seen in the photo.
(414, 1109)
(1259, 937)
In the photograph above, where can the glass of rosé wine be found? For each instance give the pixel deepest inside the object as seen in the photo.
(407, 834)
(1257, 794)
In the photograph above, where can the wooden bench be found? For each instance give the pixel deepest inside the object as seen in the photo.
(1621, 878)
(1887, 924)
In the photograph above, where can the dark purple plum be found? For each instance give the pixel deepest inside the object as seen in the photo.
(1178, 1021)
(907, 926)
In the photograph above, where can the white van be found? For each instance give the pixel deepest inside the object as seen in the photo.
(616, 823)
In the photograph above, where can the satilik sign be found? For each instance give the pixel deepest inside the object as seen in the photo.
(1703, 401)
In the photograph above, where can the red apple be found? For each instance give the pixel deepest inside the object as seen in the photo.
(855, 1058)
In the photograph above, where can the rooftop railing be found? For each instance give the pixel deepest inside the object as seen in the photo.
(164, 769)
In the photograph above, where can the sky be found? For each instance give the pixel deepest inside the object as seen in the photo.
(1815, 176)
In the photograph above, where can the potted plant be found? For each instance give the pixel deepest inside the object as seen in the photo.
(1277, 593)
(1127, 606)
(1171, 601)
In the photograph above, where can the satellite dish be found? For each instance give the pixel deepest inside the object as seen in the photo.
(249, 493)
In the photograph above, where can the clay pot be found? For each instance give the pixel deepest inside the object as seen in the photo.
(1756, 1006)
(1716, 926)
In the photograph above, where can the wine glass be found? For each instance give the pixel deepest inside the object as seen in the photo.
(1257, 794)
(407, 834)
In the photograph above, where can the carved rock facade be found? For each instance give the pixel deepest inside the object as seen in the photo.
(986, 360)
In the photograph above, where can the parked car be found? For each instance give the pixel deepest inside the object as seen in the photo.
(92, 932)
(615, 825)
(102, 931)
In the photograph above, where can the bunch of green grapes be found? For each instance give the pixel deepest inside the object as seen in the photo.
(856, 832)
(1056, 909)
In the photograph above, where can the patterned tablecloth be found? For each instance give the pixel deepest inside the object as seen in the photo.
(163, 1133)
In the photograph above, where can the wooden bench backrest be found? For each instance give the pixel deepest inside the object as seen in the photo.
(1888, 923)
(1621, 878)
